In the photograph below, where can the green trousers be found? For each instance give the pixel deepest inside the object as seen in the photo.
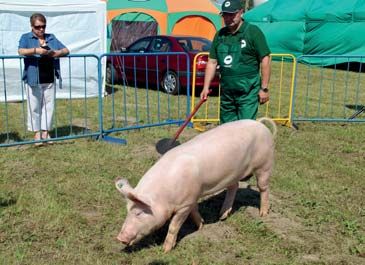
(240, 99)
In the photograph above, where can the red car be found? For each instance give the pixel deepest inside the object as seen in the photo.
(167, 70)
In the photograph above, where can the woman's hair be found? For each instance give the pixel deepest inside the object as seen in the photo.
(37, 16)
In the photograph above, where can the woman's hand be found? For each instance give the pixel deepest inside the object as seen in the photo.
(41, 51)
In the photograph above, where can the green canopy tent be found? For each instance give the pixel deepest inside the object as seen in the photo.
(313, 27)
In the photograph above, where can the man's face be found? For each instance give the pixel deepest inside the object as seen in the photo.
(232, 19)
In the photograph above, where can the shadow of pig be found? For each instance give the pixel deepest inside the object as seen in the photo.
(245, 197)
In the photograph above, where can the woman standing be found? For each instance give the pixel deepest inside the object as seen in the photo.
(40, 69)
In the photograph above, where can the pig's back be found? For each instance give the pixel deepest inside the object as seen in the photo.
(222, 155)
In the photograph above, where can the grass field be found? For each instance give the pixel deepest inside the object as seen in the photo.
(58, 204)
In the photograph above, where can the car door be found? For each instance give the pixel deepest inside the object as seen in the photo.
(135, 65)
(160, 63)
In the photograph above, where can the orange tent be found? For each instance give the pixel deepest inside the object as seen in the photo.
(129, 20)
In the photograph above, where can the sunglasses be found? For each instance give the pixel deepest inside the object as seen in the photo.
(39, 27)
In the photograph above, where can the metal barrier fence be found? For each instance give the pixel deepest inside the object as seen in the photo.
(81, 110)
(80, 82)
(145, 90)
(298, 92)
(279, 107)
(329, 93)
(281, 91)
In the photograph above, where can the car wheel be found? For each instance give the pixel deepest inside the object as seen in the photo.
(170, 83)
(110, 73)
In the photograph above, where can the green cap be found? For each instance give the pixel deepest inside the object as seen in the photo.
(231, 6)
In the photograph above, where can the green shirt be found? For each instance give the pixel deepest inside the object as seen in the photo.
(240, 53)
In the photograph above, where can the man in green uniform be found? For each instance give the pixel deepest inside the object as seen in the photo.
(243, 56)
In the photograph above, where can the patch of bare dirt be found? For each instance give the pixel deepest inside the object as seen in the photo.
(92, 216)
(214, 232)
(129, 120)
(285, 225)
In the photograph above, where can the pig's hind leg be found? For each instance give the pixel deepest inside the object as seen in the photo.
(262, 178)
(175, 224)
(196, 217)
(228, 201)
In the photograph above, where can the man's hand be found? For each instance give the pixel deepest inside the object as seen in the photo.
(204, 93)
(263, 96)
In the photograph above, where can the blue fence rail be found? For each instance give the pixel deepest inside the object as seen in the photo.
(82, 108)
(79, 84)
(153, 89)
(334, 93)
(145, 90)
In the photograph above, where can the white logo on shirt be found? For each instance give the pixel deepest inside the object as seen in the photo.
(228, 61)
(243, 44)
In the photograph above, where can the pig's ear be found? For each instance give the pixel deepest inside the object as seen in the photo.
(123, 186)
(139, 200)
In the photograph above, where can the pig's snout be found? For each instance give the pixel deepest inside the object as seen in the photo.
(126, 238)
(123, 240)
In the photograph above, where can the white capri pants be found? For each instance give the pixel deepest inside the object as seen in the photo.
(40, 106)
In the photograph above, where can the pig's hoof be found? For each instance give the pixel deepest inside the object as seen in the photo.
(167, 247)
(264, 213)
(224, 216)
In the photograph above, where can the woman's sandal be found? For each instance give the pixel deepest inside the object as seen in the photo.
(37, 138)
(38, 144)
(50, 142)
(47, 137)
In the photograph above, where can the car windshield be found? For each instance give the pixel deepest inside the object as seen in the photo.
(194, 44)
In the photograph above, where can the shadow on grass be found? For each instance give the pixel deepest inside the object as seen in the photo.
(111, 89)
(158, 263)
(56, 132)
(358, 110)
(68, 131)
(355, 107)
(209, 210)
(245, 197)
(13, 136)
(7, 200)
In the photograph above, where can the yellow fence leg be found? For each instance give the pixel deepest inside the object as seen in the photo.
(279, 108)
(209, 113)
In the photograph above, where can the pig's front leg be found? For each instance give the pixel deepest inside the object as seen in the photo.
(228, 201)
(176, 222)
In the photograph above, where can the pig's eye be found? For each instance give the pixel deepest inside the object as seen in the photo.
(139, 213)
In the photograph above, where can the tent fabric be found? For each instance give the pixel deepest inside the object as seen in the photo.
(79, 24)
(165, 6)
(199, 25)
(188, 17)
(313, 27)
(129, 30)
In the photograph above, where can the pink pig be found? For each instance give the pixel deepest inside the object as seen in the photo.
(208, 163)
